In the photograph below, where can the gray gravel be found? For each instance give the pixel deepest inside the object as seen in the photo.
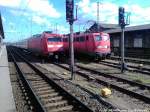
(117, 98)
(21, 103)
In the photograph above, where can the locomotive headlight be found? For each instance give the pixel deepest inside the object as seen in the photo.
(105, 46)
(100, 47)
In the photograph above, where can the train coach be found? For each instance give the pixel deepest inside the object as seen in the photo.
(96, 45)
(46, 44)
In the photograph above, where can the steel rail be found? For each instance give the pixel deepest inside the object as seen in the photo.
(131, 60)
(116, 77)
(33, 97)
(118, 66)
(107, 83)
(65, 93)
(101, 100)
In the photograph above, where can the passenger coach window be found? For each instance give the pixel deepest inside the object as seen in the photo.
(56, 39)
(98, 38)
(78, 39)
(82, 39)
(87, 38)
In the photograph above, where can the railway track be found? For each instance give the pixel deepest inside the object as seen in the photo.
(132, 68)
(44, 93)
(138, 91)
(136, 60)
(101, 103)
(131, 88)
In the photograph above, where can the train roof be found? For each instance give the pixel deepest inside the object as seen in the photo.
(50, 32)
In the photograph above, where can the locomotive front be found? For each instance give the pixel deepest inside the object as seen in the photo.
(102, 45)
(54, 44)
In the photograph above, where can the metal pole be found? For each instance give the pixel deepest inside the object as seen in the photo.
(122, 51)
(97, 16)
(72, 52)
(56, 27)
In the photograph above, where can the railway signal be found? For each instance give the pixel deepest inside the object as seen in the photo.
(123, 21)
(70, 11)
(121, 17)
(70, 19)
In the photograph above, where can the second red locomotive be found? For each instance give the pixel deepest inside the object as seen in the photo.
(93, 44)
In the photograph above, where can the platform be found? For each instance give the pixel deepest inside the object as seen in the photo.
(7, 103)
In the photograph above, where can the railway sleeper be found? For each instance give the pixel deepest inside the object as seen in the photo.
(32, 76)
(34, 79)
(53, 99)
(56, 104)
(143, 92)
(34, 83)
(40, 86)
(49, 95)
(45, 92)
(111, 80)
(133, 88)
(68, 108)
(39, 81)
(124, 85)
(43, 88)
(119, 83)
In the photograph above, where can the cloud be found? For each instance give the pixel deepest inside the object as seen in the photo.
(43, 7)
(10, 3)
(84, 5)
(63, 29)
(89, 10)
(20, 13)
(108, 12)
(39, 20)
(3, 19)
(38, 7)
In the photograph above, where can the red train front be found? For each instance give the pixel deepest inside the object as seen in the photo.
(46, 44)
(93, 44)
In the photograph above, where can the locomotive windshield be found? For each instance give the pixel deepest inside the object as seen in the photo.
(98, 38)
(105, 37)
(54, 39)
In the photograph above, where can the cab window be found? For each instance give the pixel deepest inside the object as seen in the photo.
(55, 39)
(98, 38)
(105, 37)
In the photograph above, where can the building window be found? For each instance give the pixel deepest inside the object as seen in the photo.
(116, 42)
(126, 42)
(138, 42)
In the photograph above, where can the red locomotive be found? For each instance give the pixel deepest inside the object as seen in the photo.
(46, 44)
(93, 44)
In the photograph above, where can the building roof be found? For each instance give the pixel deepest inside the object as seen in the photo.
(102, 27)
(131, 28)
(114, 28)
(1, 27)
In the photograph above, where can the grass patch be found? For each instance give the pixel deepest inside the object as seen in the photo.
(140, 79)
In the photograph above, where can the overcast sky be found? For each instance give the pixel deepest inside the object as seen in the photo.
(23, 18)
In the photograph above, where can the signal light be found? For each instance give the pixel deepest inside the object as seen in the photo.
(69, 10)
(121, 17)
